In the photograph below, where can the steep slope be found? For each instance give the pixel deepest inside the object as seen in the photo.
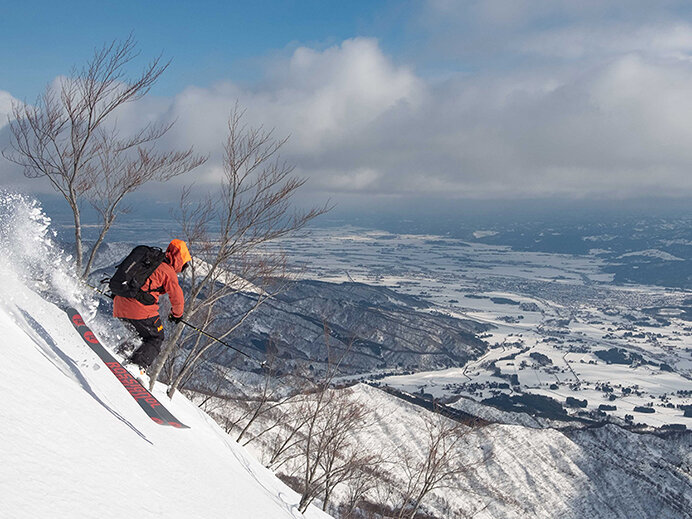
(75, 444)
(544, 473)
(518, 472)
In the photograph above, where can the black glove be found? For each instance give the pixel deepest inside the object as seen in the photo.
(172, 318)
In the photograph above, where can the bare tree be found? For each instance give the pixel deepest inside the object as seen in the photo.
(343, 460)
(439, 466)
(284, 446)
(71, 138)
(364, 481)
(328, 450)
(269, 407)
(263, 408)
(211, 398)
(227, 232)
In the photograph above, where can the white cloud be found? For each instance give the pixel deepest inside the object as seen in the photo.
(320, 98)
(517, 33)
(6, 101)
(360, 180)
(603, 40)
(612, 123)
(10, 174)
(617, 130)
(325, 100)
(534, 14)
(361, 124)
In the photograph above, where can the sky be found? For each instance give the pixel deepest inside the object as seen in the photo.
(398, 101)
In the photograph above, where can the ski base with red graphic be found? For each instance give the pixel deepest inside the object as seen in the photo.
(148, 402)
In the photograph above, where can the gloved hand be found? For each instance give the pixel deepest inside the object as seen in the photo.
(172, 318)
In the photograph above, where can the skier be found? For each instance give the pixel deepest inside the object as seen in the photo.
(143, 317)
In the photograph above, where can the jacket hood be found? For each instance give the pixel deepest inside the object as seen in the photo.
(177, 254)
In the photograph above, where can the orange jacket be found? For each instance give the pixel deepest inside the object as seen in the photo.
(164, 278)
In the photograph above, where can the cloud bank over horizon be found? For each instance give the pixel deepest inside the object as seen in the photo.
(589, 108)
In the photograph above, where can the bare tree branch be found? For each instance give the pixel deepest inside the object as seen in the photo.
(439, 466)
(226, 233)
(70, 137)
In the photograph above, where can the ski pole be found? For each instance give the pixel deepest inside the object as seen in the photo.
(262, 364)
(96, 289)
(220, 341)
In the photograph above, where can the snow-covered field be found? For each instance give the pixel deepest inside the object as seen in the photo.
(564, 307)
(74, 443)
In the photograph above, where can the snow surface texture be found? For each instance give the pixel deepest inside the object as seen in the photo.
(74, 443)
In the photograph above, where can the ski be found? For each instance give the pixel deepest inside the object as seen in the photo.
(148, 402)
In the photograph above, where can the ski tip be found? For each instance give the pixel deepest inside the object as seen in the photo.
(172, 423)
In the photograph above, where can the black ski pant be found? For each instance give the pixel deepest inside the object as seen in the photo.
(151, 332)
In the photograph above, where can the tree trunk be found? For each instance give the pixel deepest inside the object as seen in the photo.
(327, 496)
(92, 255)
(173, 387)
(190, 308)
(77, 236)
(250, 422)
(305, 501)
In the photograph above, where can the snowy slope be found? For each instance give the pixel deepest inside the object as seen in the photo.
(75, 444)
(544, 473)
(518, 472)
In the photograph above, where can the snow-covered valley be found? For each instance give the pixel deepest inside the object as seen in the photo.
(560, 327)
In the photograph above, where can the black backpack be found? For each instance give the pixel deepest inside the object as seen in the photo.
(133, 272)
